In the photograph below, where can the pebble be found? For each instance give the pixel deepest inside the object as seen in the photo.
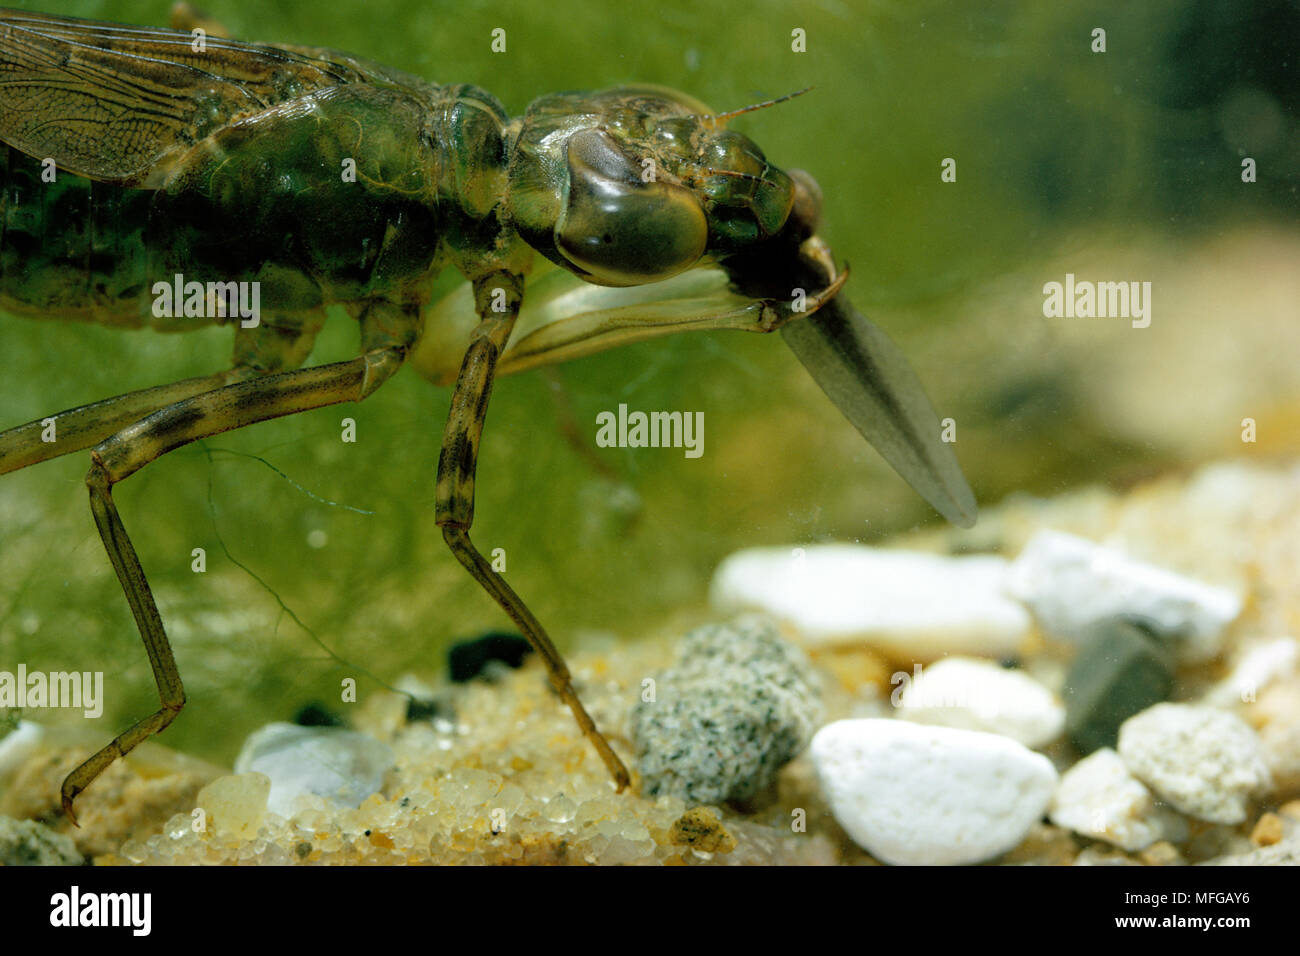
(738, 704)
(700, 829)
(1162, 854)
(17, 745)
(1258, 667)
(233, 806)
(1286, 853)
(1099, 798)
(28, 843)
(340, 765)
(973, 694)
(316, 714)
(914, 605)
(469, 659)
(1070, 583)
(1268, 830)
(1120, 671)
(1276, 717)
(1205, 762)
(911, 794)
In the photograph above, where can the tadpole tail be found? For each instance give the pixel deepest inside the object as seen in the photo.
(870, 381)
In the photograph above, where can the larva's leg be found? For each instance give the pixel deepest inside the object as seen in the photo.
(200, 416)
(269, 347)
(80, 428)
(455, 493)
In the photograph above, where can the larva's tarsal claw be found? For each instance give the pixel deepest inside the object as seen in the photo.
(67, 808)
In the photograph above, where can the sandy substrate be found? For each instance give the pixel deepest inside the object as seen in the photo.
(504, 777)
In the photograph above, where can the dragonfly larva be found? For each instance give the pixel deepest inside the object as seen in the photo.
(171, 179)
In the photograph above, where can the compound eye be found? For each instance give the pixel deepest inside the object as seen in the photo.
(619, 230)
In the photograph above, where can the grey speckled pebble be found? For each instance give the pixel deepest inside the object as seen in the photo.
(28, 843)
(738, 704)
(1120, 671)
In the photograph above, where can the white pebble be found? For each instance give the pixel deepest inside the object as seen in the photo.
(911, 604)
(235, 805)
(977, 695)
(1204, 761)
(1099, 798)
(1258, 666)
(340, 765)
(1070, 583)
(18, 745)
(910, 794)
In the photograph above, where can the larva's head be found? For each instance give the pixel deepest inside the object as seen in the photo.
(636, 184)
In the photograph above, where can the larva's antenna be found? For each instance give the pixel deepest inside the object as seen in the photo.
(718, 119)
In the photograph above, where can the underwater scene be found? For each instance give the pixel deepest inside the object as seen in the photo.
(985, 549)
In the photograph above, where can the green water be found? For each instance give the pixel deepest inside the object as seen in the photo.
(1052, 141)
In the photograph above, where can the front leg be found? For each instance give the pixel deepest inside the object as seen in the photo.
(455, 491)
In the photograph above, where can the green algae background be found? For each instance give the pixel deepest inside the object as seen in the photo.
(1134, 150)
